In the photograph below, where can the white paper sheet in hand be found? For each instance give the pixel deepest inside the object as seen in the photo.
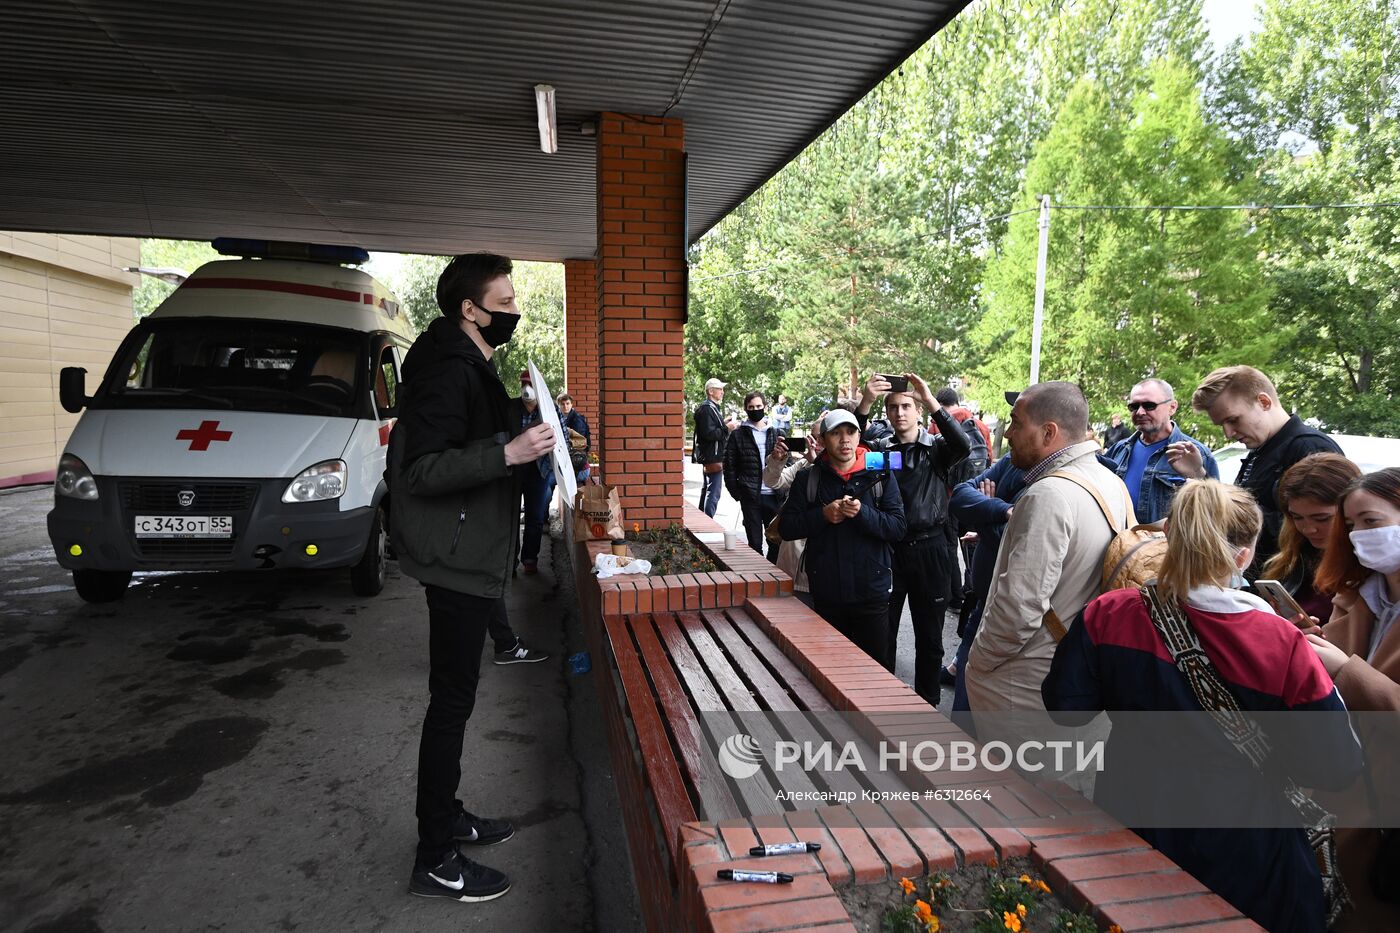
(563, 466)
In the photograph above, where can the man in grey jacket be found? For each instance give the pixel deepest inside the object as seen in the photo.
(1051, 557)
(453, 499)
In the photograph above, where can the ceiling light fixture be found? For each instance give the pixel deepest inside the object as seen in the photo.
(544, 107)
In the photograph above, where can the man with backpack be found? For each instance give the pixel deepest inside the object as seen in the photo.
(1244, 403)
(925, 562)
(1050, 563)
(850, 517)
(744, 456)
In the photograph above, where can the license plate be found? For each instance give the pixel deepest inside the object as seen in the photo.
(184, 526)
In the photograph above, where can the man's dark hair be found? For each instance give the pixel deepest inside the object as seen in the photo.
(1060, 402)
(947, 396)
(466, 278)
(753, 395)
(849, 404)
(564, 397)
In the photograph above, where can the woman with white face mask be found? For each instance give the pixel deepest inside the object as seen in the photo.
(1360, 648)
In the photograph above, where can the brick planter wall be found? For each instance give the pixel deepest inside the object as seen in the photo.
(1089, 860)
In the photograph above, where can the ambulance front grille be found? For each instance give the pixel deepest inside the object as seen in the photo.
(164, 497)
(177, 549)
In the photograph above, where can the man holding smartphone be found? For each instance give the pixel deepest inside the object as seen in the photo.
(925, 557)
(849, 517)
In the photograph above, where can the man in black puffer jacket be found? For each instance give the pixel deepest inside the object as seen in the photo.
(453, 509)
(749, 447)
(850, 521)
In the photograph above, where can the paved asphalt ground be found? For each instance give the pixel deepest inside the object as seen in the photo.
(237, 752)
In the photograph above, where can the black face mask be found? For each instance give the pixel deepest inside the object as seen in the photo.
(756, 414)
(500, 329)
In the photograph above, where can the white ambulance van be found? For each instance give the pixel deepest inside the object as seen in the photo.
(242, 425)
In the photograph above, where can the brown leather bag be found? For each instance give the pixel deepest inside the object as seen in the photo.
(716, 467)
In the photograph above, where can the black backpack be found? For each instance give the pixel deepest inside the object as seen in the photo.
(978, 457)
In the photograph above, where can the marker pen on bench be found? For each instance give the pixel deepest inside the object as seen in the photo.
(766, 877)
(785, 848)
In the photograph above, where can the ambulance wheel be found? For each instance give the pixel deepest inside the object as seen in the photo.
(101, 586)
(367, 577)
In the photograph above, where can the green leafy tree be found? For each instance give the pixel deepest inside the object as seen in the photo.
(184, 255)
(1315, 101)
(1130, 294)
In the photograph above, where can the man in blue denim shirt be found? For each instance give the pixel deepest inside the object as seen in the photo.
(1141, 460)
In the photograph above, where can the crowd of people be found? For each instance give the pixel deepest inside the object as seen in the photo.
(866, 514)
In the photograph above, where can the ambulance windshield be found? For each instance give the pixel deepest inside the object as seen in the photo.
(238, 364)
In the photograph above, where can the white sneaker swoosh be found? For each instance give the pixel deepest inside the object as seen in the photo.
(454, 885)
(471, 838)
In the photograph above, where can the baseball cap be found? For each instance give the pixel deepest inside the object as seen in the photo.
(1011, 398)
(839, 417)
(714, 384)
(524, 376)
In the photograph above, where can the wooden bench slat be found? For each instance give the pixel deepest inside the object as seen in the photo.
(773, 694)
(710, 786)
(807, 694)
(672, 801)
(721, 666)
(756, 794)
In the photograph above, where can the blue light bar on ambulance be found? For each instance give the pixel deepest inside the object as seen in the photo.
(278, 249)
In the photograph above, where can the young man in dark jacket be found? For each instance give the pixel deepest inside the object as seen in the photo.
(748, 449)
(850, 521)
(453, 495)
(925, 562)
(1243, 402)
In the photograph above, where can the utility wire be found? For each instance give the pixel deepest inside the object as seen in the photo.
(1106, 207)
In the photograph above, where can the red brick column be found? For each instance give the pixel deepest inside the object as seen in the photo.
(641, 313)
(581, 336)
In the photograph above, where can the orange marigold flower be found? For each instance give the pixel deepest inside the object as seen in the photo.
(1046, 889)
(1021, 910)
(907, 885)
(923, 911)
(991, 863)
(1026, 879)
(1011, 921)
(932, 925)
(1115, 929)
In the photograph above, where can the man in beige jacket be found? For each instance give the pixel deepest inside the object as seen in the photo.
(1051, 556)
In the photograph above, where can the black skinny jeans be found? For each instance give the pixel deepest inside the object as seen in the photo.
(757, 515)
(921, 572)
(457, 626)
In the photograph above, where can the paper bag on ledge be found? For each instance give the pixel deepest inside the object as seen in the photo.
(597, 514)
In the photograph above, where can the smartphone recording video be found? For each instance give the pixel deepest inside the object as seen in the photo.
(897, 383)
(797, 445)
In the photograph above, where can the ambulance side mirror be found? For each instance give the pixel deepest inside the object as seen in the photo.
(72, 388)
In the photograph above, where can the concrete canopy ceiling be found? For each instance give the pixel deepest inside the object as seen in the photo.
(410, 126)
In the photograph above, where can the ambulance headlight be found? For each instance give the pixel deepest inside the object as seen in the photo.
(74, 479)
(325, 480)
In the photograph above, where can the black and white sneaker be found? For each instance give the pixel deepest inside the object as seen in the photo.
(472, 830)
(460, 879)
(520, 654)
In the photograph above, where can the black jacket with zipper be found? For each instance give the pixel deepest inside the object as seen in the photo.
(743, 466)
(926, 479)
(711, 434)
(454, 504)
(850, 561)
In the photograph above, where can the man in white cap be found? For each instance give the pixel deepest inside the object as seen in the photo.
(851, 517)
(707, 449)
